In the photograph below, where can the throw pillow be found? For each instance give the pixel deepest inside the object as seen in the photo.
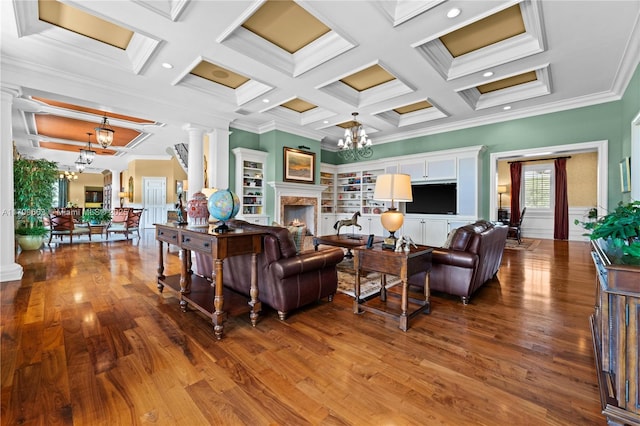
(447, 244)
(298, 233)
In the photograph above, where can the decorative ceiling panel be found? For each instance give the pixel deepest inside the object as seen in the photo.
(286, 25)
(430, 58)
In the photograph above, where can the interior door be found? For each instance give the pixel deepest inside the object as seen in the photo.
(154, 200)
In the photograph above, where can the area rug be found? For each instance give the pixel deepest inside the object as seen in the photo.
(369, 284)
(525, 244)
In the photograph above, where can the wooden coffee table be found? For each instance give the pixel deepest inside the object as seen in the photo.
(348, 241)
(402, 264)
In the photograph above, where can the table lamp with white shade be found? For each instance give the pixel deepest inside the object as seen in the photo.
(392, 187)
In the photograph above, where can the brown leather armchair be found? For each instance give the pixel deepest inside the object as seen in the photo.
(472, 258)
(287, 280)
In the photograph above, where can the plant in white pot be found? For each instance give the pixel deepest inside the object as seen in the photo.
(33, 192)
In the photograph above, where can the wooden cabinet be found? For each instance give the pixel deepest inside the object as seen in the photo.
(372, 225)
(250, 184)
(615, 330)
(426, 231)
(326, 227)
(430, 169)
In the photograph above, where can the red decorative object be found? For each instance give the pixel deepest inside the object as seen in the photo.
(197, 210)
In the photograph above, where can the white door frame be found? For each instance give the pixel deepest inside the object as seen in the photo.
(601, 147)
(146, 179)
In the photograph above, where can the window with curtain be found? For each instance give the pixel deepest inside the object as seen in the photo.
(538, 186)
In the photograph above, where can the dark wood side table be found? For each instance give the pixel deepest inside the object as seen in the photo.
(345, 241)
(402, 264)
(196, 290)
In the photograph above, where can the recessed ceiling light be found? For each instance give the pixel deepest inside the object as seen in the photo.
(507, 108)
(452, 13)
(266, 101)
(167, 65)
(326, 121)
(488, 74)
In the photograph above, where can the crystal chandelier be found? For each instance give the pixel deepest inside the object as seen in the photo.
(356, 144)
(104, 133)
(68, 176)
(87, 155)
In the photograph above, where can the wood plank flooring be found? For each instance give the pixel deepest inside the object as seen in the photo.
(88, 340)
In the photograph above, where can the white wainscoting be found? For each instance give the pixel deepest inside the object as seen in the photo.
(537, 224)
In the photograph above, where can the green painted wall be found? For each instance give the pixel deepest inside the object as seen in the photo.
(610, 121)
(272, 142)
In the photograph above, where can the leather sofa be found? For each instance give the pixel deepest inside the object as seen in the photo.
(287, 280)
(471, 257)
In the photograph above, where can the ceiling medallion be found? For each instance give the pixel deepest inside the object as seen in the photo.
(355, 145)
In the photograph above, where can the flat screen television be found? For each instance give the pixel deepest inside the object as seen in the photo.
(433, 198)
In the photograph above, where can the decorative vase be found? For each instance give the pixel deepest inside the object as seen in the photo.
(29, 242)
(197, 210)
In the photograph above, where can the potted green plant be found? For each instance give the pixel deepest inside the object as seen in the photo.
(96, 216)
(620, 230)
(33, 192)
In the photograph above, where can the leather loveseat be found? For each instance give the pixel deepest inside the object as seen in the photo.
(287, 279)
(471, 257)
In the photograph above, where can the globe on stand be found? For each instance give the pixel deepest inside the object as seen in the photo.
(223, 205)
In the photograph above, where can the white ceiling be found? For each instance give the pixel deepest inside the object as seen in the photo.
(583, 51)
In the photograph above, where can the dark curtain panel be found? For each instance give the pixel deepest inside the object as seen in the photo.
(516, 173)
(63, 192)
(561, 214)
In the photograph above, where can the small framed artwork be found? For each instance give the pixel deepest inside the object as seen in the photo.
(299, 166)
(131, 189)
(625, 175)
(179, 188)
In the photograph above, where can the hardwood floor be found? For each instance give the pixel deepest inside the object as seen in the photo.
(88, 340)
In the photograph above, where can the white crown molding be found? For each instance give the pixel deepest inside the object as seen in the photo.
(629, 63)
(502, 116)
(170, 9)
(401, 11)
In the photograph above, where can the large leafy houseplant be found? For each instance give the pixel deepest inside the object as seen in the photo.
(96, 215)
(620, 229)
(33, 192)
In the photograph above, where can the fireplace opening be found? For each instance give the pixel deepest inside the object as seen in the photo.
(299, 211)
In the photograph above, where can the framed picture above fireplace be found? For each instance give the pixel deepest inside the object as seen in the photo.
(299, 166)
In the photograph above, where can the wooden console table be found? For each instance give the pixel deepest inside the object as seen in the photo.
(402, 264)
(196, 290)
(615, 329)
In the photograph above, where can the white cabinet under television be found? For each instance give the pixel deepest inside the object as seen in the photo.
(424, 230)
(250, 184)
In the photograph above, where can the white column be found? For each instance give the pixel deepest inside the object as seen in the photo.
(195, 173)
(9, 269)
(218, 170)
(116, 187)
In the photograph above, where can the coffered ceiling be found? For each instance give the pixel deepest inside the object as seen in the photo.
(408, 67)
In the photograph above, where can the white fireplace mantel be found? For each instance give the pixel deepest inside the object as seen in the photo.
(289, 189)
